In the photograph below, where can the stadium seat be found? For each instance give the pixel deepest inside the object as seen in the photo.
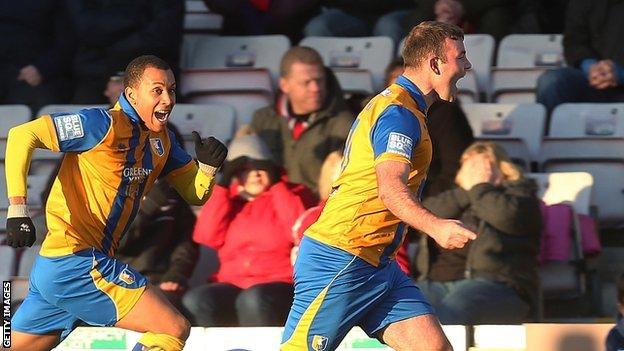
(521, 59)
(202, 22)
(355, 81)
(241, 52)
(10, 116)
(468, 90)
(516, 127)
(362, 53)
(590, 137)
(229, 86)
(565, 279)
(480, 52)
(244, 103)
(209, 120)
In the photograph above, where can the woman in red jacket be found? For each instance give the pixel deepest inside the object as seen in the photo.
(248, 223)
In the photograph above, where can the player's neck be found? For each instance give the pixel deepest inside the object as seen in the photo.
(423, 83)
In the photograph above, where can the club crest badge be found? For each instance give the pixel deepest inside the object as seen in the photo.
(319, 343)
(127, 277)
(157, 146)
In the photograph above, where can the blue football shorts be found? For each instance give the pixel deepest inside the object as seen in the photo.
(336, 290)
(84, 286)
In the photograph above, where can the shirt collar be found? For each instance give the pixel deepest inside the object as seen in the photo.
(414, 92)
(128, 109)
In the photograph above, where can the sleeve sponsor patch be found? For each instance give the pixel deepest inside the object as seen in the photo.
(400, 144)
(69, 127)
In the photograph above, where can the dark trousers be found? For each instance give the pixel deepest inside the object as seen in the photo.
(226, 305)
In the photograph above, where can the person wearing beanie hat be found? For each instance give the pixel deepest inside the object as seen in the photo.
(247, 221)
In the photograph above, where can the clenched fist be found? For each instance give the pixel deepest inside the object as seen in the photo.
(210, 151)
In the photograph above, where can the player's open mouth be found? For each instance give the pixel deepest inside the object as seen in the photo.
(162, 115)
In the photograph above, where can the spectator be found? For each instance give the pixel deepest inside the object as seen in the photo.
(494, 278)
(35, 55)
(615, 339)
(309, 119)
(247, 221)
(111, 33)
(595, 58)
(347, 18)
(159, 241)
(497, 17)
(114, 88)
(256, 17)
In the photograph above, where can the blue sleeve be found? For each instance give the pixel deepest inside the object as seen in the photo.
(396, 131)
(177, 156)
(586, 63)
(81, 131)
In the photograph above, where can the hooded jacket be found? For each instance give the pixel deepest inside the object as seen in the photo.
(508, 222)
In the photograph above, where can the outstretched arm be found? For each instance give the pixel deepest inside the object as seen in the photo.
(393, 191)
(21, 143)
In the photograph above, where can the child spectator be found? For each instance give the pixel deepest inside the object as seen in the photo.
(247, 221)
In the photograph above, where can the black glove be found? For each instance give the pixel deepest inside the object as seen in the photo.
(20, 230)
(210, 151)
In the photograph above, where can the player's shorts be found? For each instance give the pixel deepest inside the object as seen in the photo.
(86, 285)
(335, 291)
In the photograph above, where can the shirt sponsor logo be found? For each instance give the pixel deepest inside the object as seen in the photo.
(400, 144)
(136, 174)
(69, 127)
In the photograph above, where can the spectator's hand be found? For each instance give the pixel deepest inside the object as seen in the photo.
(602, 75)
(449, 11)
(451, 234)
(171, 287)
(20, 228)
(30, 74)
(476, 169)
(210, 152)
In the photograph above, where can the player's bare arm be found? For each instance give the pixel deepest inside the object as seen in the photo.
(394, 193)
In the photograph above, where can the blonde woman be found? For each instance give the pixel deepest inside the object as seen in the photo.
(492, 279)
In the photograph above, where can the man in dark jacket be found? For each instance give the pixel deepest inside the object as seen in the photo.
(309, 120)
(492, 279)
(109, 33)
(35, 53)
(594, 55)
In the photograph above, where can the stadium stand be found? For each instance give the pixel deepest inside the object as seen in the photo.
(199, 19)
(516, 127)
(521, 59)
(10, 116)
(349, 56)
(240, 71)
(590, 137)
(209, 120)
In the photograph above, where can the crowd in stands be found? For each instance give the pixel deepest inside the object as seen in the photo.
(279, 168)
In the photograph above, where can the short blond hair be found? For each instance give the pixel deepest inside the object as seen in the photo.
(426, 38)
(301, 54)
(498, 155)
